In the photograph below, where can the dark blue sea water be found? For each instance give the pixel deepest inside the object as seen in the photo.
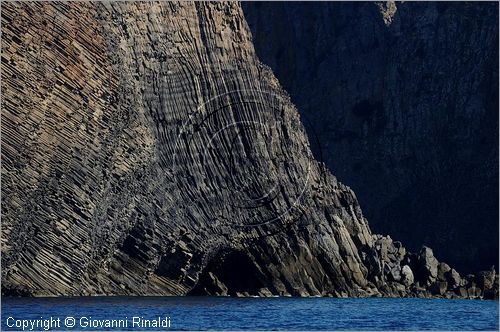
(202, 313)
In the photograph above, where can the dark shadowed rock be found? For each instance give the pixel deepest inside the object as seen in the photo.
(490, 294)
(442, 269)
(486, 279)
(453, 278)
(395, 273)
(401, 103)
(470, 280)
(400, 250)
(439, 287)
(427, 268)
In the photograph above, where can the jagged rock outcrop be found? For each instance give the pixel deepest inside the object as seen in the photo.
(400, 100)
(146, 151)
(407, 274)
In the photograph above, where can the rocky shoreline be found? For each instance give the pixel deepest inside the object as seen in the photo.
(404, 275)
(422, 275)
(146, 151)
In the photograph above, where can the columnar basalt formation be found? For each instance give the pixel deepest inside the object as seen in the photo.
(147, 151)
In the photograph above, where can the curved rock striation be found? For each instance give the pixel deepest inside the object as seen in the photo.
(147, 151)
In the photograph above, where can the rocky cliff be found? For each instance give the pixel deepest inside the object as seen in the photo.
(400, 100)
(146, 151)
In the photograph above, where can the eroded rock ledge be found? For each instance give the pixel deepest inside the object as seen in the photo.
(147, 151)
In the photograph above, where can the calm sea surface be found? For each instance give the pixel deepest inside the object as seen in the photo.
(202, 313)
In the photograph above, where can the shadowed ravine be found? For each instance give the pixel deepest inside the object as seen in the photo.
(147, 151)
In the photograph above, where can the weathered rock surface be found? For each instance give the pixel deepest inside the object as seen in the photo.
(427, 266)
(422, 275)
(453, 278)
(146, 151)
(407, 275)
(400, 100)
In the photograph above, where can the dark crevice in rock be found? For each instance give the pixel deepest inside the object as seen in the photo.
(230, 272)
